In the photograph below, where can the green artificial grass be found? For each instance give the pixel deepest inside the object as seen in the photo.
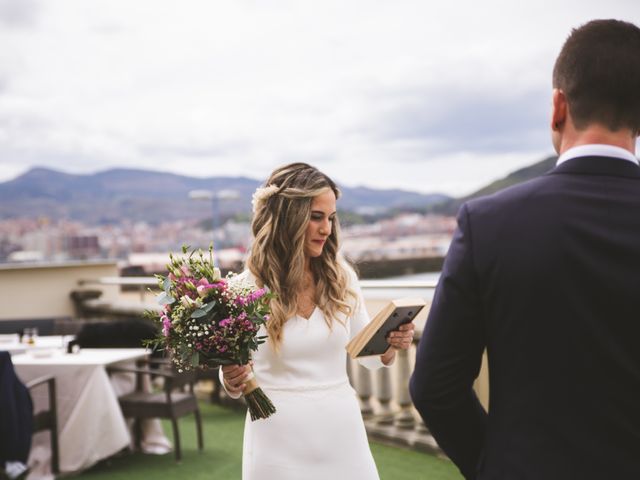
(222, 456)
(400, 464)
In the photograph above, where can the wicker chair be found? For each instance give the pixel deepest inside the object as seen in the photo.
(172, 403)
(48, 419)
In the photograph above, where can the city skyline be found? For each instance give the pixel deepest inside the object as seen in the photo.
(428, 98)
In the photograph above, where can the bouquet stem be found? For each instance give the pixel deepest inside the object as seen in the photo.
(259, 404)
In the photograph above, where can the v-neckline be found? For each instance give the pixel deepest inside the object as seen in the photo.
(310, 315)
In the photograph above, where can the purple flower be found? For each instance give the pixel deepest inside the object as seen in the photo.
(250, 298)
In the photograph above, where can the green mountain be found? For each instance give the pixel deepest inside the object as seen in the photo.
(117, 195)
(450, 207)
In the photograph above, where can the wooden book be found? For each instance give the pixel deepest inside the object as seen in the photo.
(372, 339)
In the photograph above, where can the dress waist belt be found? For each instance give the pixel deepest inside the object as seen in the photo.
(309, 388)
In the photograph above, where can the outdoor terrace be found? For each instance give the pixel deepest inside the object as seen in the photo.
(401, 444)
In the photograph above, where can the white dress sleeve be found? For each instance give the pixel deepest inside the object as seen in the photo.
(359, 319)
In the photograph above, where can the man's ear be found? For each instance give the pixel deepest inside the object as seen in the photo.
(558, 109)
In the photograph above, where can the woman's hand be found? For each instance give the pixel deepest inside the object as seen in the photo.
(400, 339)
(235, 377)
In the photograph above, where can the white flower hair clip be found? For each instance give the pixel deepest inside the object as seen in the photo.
(261, 195)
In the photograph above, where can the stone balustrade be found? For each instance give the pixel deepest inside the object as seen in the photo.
(384, 394)
(386, 404)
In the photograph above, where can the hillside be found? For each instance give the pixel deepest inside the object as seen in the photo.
(450, 207)
(141, 195)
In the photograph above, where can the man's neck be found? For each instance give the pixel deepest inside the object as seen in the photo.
(598, 134)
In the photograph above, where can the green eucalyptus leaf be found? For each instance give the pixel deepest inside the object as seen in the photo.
(208, 306)
(165, 299)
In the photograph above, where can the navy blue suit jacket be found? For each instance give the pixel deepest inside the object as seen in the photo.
(546, 276)
(16, 414)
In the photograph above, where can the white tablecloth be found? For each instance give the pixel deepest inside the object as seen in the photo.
(90, 423)
(12, 344)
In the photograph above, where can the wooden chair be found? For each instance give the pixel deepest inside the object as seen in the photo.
(48, 419)
(172, 403)
(212, 375)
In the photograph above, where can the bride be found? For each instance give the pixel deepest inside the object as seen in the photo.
(317, 431)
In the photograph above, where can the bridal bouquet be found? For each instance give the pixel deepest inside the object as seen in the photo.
(208, 321)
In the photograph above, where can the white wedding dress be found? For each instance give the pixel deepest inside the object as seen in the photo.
(317, 431)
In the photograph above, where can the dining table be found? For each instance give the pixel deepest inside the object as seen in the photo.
(14, 344)
(91, 426)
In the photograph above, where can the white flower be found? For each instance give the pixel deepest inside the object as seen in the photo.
(261, 195)
(216, 274)
(186, 301)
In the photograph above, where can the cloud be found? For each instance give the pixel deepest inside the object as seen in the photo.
(20, 13)
(467, 120)
(406, 93)
(189, 151)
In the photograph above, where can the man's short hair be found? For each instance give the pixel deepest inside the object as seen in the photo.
(598, 70)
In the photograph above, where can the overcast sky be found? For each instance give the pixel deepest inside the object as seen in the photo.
(431, 96)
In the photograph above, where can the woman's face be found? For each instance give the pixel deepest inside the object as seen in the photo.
(323, 213)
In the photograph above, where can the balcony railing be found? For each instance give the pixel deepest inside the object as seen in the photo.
(384, 394)
(96, 288)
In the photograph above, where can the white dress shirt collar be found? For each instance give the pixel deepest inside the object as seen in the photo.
(597, 150)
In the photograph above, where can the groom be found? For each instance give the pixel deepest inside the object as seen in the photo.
(546, 276)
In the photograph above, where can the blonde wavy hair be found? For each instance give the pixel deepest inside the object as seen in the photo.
(277, 255)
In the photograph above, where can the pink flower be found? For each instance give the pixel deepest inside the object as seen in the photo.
(258, 294)
(226, 322)
(204, 286)
(166, 325)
